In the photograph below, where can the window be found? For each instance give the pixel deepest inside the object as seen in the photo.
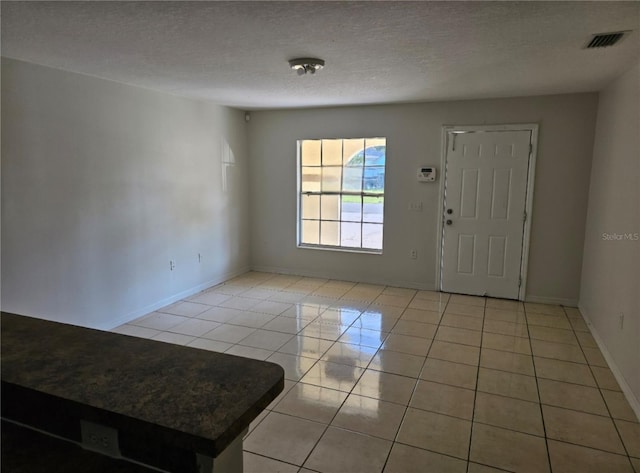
(341, 193)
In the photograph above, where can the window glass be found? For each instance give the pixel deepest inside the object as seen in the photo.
(341, 196)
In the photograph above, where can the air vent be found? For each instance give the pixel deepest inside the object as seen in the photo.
(602, 40)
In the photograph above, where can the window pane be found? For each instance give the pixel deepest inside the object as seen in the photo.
(311, 152)
(332, 152)
(372, 235)
(331, 178)
(376, 142)
(373, 209)
(352, 178)
(351, 147)
(375, 160)
(330, 208)
(311, 206)
(330, 234)
(351, 234)
(373, 178)
(311, 179)
(374, 155)
(310, 232)
(351, 208)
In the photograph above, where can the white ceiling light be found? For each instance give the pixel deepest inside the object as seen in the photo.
(306, 65)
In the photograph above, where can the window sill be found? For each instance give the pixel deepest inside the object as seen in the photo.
(341, 249)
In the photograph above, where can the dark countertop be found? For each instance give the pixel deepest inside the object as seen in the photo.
(54, 374)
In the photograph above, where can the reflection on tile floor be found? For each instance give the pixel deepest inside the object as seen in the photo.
(397, 380)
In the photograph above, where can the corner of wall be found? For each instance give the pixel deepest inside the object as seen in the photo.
(634, 402)
(610, 269)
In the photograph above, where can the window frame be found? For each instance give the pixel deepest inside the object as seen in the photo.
(362, 194)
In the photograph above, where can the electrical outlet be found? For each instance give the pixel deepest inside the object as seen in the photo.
(172, 265)
(413, 254)
(415, 206)
(100, 438)
(621, 320)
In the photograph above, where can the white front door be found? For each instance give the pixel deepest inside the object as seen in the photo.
(484, 211)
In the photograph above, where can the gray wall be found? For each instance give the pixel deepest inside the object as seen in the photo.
(103, 184)
(414, 134)
(611, 267)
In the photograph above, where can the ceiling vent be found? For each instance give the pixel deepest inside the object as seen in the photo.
(602, 40)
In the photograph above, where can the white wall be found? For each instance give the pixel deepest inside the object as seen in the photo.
(103, 184)
(611, 267)
(414, 133)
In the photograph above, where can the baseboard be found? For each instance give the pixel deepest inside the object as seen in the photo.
(332, 275)
(170, 300)
(634, 402)
(551, 300)
(429, 286)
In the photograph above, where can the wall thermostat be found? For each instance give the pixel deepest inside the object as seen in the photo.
(427, 174)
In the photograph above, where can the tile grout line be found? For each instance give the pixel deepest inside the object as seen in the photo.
(368, 364)
(426, 357)
(271, 458)
(395, 437)
(475, 391)
(346, 397)
(535, 373)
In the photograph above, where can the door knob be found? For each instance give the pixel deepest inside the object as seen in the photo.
(449, 222)
(449, 211)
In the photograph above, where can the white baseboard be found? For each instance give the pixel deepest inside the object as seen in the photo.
(551, 300)
(429, 286)
(333, 275)
(169, 300)
(634, 402)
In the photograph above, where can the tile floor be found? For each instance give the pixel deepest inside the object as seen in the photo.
(397, 380)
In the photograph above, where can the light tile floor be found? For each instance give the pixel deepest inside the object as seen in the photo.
(397, 380)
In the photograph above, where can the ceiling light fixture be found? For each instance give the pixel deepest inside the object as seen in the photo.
(306, 65)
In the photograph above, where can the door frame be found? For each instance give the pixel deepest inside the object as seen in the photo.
(524, 262)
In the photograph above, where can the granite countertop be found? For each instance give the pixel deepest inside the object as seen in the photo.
(192, 399)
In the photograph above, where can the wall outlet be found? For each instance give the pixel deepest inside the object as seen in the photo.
(415, 206)
(621, 320)
(100, 438)
(172, 265)
(413, 254)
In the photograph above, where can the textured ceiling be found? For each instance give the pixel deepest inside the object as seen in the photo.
(236, 53)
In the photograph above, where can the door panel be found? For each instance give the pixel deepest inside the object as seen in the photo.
(497, 255)
(485, 190)
(466, 253)
(469, 193)
(501, 193)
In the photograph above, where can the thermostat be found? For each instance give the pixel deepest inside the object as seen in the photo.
(427, 174)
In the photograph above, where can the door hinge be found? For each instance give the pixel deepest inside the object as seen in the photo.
(519, 281)
(530, 148)
(524, 216)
